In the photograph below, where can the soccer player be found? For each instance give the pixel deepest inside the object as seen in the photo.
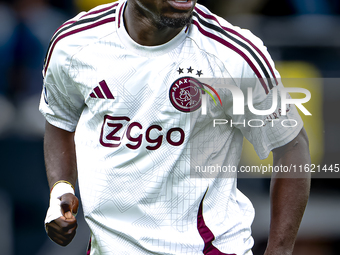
(129, 116)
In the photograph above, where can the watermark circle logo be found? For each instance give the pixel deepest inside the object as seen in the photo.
(186, 94)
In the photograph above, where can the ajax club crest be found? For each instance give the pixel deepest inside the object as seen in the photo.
(187, 93)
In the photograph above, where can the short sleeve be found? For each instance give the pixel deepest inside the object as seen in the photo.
(61, 101)
(273, 129)
(270, 131)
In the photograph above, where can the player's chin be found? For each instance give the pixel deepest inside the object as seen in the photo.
(176, 20)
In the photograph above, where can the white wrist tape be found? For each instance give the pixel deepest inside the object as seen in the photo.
(54, 211)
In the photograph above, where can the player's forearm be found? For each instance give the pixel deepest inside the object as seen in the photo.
(60, 155)
(288, 201)
(289, 196)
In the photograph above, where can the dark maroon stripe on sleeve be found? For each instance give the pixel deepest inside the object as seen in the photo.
(120, 15)
(106, 90)
(229, 45)
(63, 25)
(74, 32)
(87, 14)
(101, 10)
(206, 234)
(207, 16)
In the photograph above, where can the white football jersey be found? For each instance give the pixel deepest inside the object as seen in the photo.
(143, 138)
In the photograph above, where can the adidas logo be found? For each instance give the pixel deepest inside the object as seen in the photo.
(102, 91)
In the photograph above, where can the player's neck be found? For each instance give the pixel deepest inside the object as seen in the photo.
(144, 31)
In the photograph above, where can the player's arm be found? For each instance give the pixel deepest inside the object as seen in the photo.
(60, 160)
(289, 196)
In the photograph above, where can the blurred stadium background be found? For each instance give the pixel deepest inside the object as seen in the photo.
(301, 35)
